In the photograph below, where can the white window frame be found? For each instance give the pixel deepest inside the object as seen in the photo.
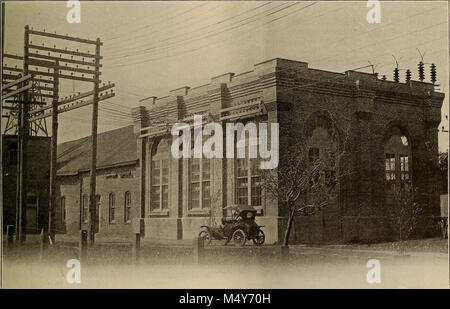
(112, 207)
(201, 182)
(127, 207)
(249, 178)
(160, 209)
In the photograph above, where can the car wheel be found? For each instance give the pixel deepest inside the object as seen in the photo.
(260, 238)
(239, 237)
(206, 237)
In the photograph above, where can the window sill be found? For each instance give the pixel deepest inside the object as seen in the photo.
(159, 213)
(198, 212)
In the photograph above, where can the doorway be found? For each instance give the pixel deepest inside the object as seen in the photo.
(32, 212)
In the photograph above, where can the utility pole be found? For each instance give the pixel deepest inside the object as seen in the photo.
(48, 59)
(93, 174)
(53, 154)
(24, 133)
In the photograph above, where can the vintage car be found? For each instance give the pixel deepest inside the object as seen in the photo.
(239, 228)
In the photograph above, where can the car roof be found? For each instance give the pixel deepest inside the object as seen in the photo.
(241, 207)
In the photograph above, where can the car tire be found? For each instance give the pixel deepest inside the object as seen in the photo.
(260, 238)
(206, 237)
(239, 238)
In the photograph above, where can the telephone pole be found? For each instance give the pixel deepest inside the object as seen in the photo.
(53, 154)
(93, 208)
(71, 64)
(24, 132)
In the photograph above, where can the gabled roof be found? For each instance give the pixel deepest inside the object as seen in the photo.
(114, 148)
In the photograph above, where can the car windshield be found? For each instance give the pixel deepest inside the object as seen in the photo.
(249, 215)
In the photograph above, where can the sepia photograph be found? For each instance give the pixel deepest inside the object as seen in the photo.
(264, 145)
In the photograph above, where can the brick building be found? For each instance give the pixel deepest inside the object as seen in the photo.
(37, 181)
(117, 183)
(387, 129)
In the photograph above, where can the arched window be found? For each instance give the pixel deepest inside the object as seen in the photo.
(322, 146)
(112, 208)
(63, 209)
(127, 207)
(159, 196)
(84, 208)
(397, 151)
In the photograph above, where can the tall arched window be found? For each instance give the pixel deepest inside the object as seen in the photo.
(112, 208)
(63, 208)
(397, 151)
(159, 195)
(322, 146)
(84, 208)
(127, 207)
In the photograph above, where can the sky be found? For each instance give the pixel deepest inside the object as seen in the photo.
(150, 48)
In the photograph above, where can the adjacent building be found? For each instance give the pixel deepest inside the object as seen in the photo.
(117, 183)
(38, 179)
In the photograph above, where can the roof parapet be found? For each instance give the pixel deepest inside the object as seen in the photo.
(223, 78)
(182, 91)
(151, 100)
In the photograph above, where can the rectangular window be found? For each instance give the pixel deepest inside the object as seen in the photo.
(200, 183)
(127, 207)
(112, 208)
(390, 169)
(160, 185)
(242, 181)
(248, 182)
(63, 209)
(13, 153)
(84, 208)
(404, 170)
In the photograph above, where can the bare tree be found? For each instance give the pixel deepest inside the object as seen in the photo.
(302, 184)
(404, 213)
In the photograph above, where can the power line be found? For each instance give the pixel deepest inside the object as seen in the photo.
(201, 36)
(151, 46)
(390, 39)
(147, 26)
(195, 49)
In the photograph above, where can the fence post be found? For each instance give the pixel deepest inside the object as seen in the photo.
(135, 251)
(43, 244)
(199, 247)
(83, 245)
(10, 235)
(284, 254)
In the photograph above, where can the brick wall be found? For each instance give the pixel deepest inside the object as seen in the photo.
(117, 180)
(362, 110)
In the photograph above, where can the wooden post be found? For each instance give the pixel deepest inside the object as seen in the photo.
(53, 155)
(24, 133)
(284, 254)
(136, 249)
(82, 247)
(43, 244)
(10, 235)
(199, 247)
(93, 173)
